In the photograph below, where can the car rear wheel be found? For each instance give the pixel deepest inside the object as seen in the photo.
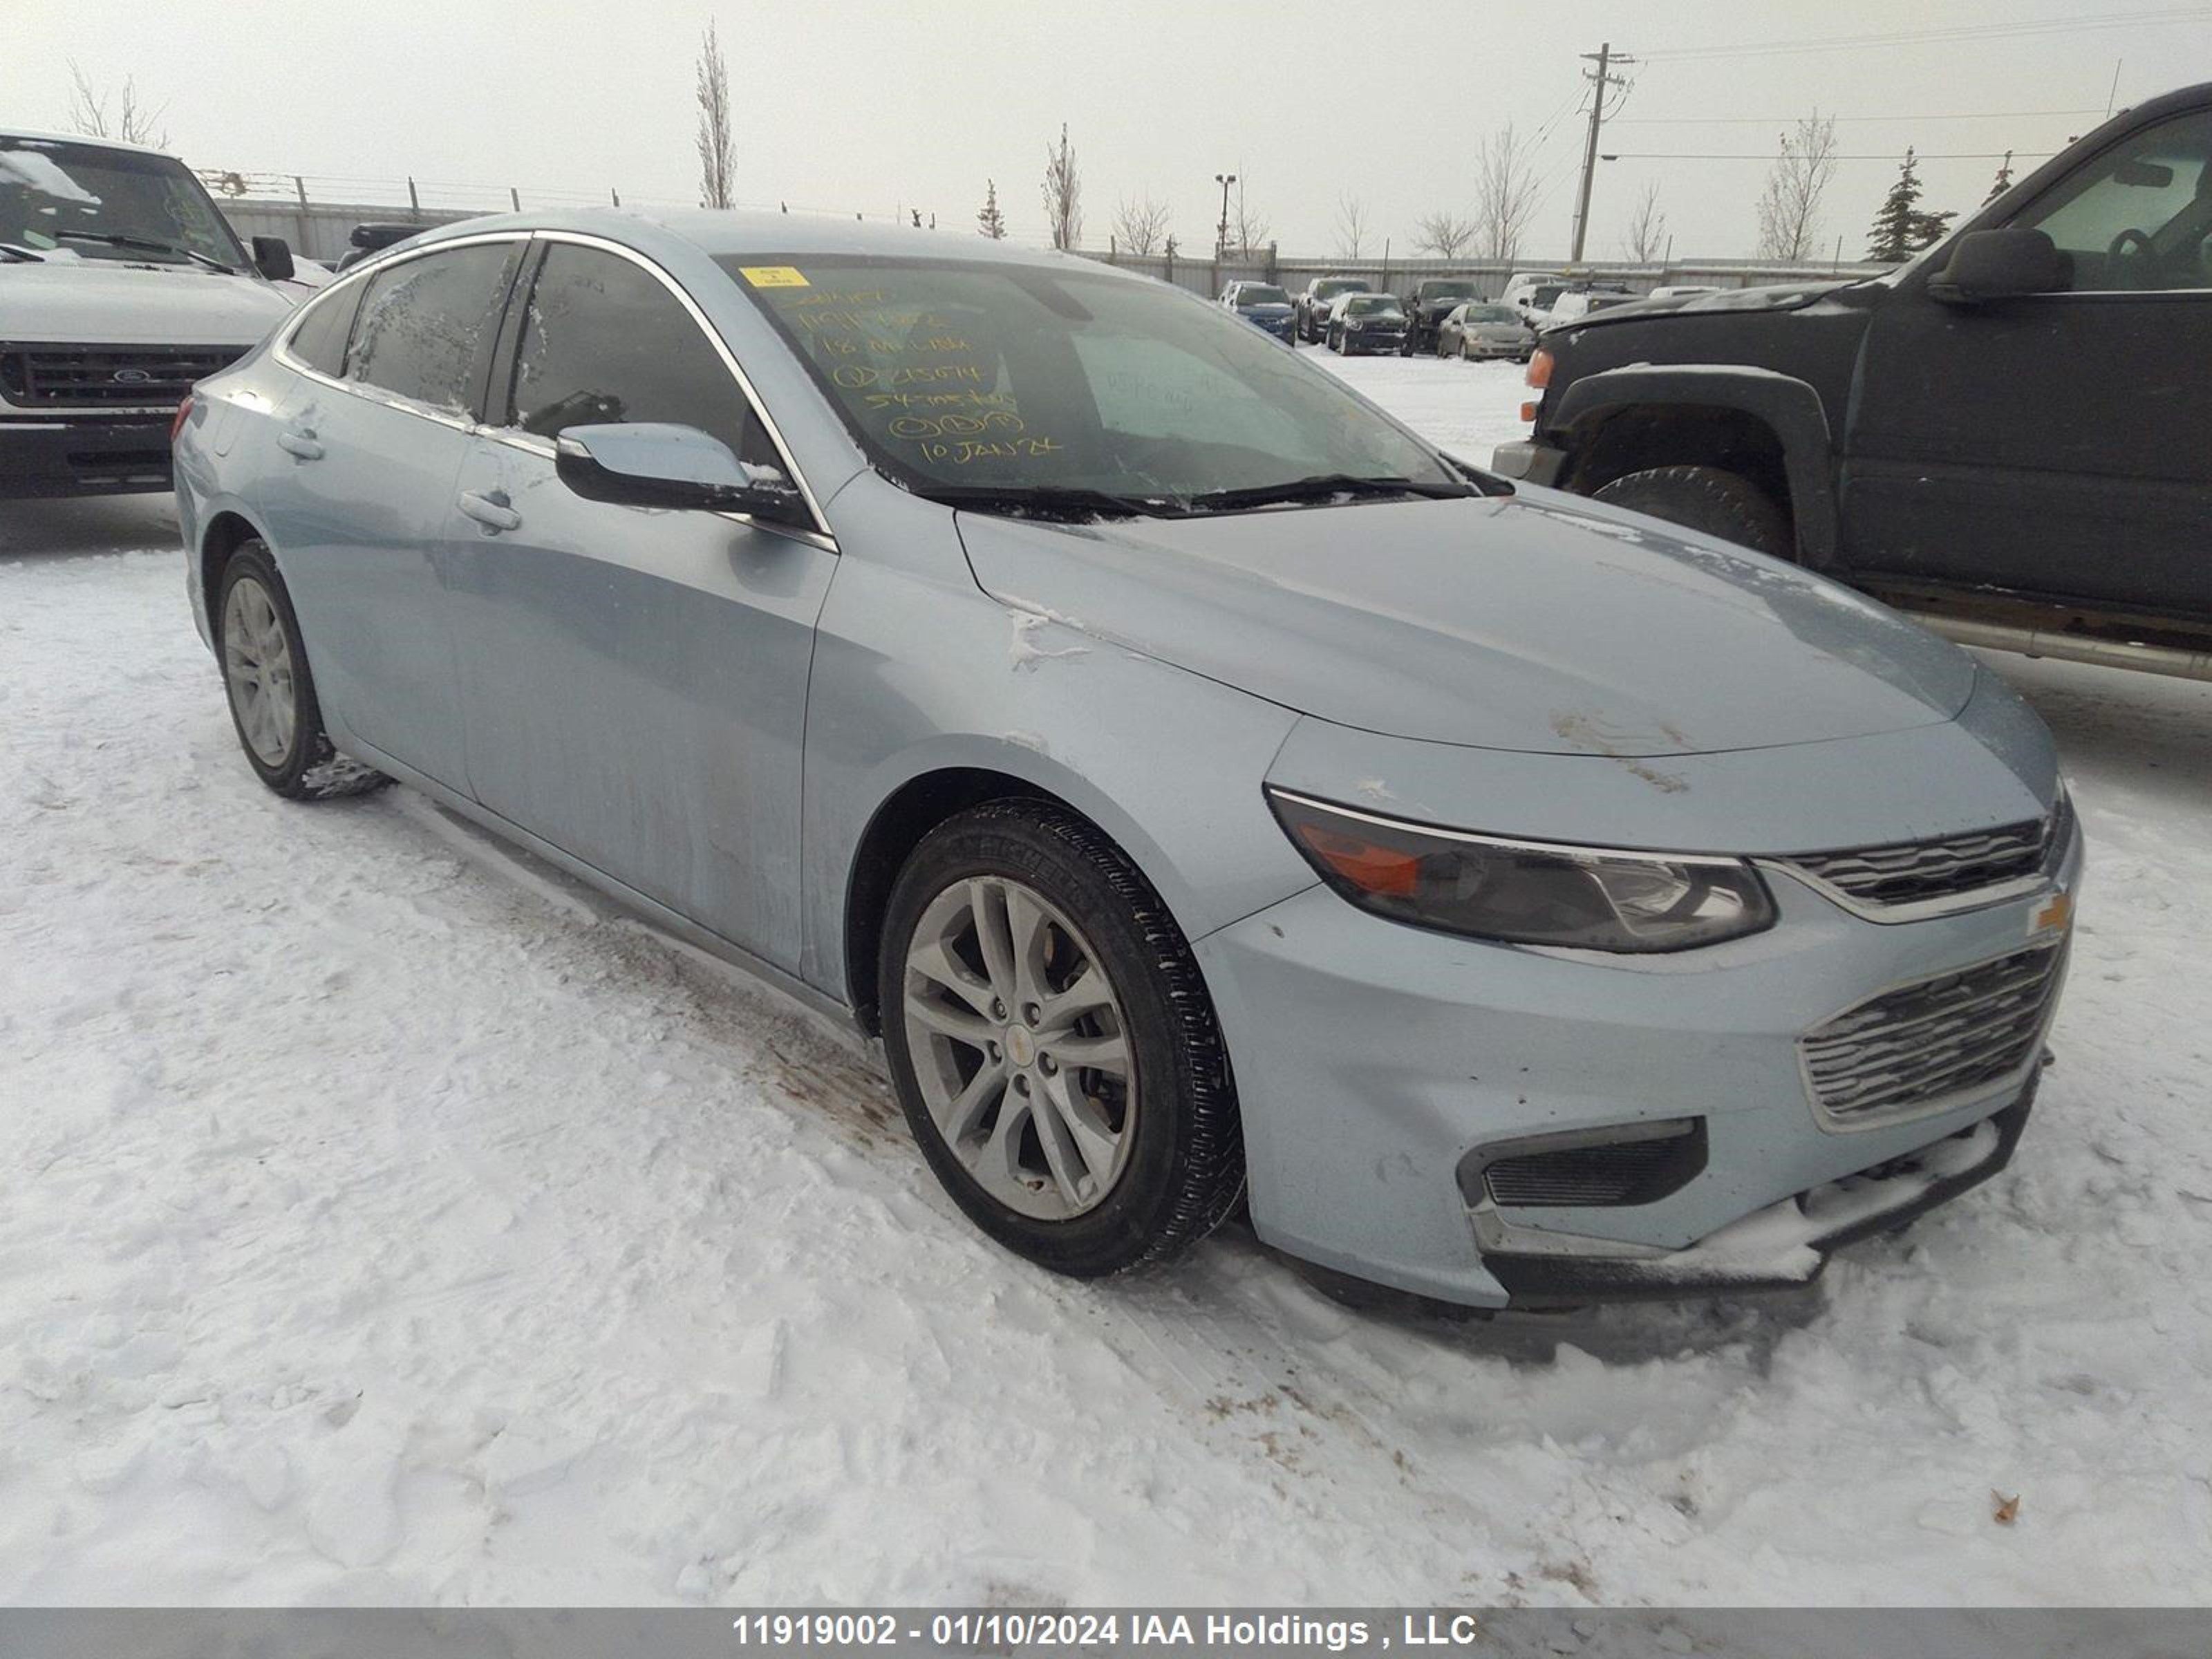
(271, 688)
(1708, 499)
(1053, 1045)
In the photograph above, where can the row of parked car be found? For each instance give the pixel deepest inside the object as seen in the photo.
(1449, 315)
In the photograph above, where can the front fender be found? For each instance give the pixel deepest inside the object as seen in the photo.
(1787, 406)
(915, 676)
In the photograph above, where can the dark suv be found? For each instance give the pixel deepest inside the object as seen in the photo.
(1432, 300)
(2009, 437)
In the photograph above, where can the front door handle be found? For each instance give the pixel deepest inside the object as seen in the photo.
(490, 510)
(300, 441)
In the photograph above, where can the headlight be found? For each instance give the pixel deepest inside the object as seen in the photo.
(1525, 892)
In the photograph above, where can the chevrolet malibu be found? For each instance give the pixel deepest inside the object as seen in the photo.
(1206, 788)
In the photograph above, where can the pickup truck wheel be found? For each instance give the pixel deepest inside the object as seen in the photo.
(1708, 499)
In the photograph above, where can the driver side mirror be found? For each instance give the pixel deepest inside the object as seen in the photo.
(654, 464)
(2001, 264)
(272, 258)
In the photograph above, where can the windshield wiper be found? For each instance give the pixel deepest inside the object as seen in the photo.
(1050, 501)
(1327, 486)
(144, 244)
(16, 251)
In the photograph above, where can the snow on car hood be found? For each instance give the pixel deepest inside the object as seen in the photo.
(97, 303)
(1538, 622)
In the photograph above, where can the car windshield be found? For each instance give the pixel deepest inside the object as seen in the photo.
(1336, 285)
(1368, 305)
(103, 203)
(1492, 314)
(1448, 290)
(1016, 386)
(1261, 293)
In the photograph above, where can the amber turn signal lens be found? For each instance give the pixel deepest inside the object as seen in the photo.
(1539, 370)
(1528, 413)
(184, 412)
(1372, 869)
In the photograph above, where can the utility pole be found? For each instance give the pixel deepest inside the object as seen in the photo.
(1599, 81)
(1224, 179)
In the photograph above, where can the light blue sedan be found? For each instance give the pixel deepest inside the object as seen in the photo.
(1205, 788)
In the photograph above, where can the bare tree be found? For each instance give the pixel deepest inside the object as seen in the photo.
(1248, 227)
(1505, 193)
(1063, 193)
(1351, 225)
(1447, 235)
(132, 122)
(1646, 236)
(1790, 207)
(718, 163)
(989, 221)
(1141, 226)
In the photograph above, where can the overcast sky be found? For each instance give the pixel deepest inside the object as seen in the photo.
(871, 106)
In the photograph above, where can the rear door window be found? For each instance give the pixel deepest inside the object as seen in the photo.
(605, 342)
(427, 325)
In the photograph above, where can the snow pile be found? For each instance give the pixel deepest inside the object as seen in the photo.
(382, 1217)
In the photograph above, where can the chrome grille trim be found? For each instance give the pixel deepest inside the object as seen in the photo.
(1906, 881)
(48, 377)
(1937, 1043)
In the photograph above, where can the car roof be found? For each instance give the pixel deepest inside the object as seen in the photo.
(722, 234)
(82, 138)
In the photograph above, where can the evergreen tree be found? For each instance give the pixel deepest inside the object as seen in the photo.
(2004, 180)
(1900, 229)
(989, 221)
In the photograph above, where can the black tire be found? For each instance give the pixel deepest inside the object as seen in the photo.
(310, 768)
(1185, 1169)
(1708, 499)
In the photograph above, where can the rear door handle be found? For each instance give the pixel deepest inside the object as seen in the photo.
(491, 510)
(300, 441)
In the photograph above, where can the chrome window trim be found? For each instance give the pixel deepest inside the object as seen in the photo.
(819, 536)
(2014, 1080)
(581, 239)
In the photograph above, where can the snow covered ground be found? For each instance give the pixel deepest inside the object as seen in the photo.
(380, 1218)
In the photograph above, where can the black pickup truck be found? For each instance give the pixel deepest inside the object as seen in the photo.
(2010, 437)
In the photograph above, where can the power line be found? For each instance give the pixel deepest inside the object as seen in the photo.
(1785, 120)
(1883, 155)
(2021, 27)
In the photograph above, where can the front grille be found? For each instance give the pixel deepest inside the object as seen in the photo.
(107, 376)
(1907, 1050)
(1913, 872)
(1661, 1160)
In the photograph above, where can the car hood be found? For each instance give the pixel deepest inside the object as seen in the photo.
(97, 303)
(1537, 622)
(1780, 296)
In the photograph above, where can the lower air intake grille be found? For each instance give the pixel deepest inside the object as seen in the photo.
(1909, 1049)
(1605, 1175)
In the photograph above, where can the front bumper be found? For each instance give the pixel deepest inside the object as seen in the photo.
(83, 455)
(1277, 326)
(1531, 460)
(1371, 340)
(1375, 1061)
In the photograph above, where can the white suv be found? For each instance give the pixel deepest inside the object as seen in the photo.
(120, 285)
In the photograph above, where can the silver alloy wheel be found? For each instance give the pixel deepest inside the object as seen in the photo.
(257, 661)
(1019, 1047)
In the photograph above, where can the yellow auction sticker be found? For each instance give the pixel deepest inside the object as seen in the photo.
(773, 276)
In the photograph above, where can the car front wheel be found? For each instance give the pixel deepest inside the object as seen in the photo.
(1710, 499)
(271, 688)
(1052, 1044)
